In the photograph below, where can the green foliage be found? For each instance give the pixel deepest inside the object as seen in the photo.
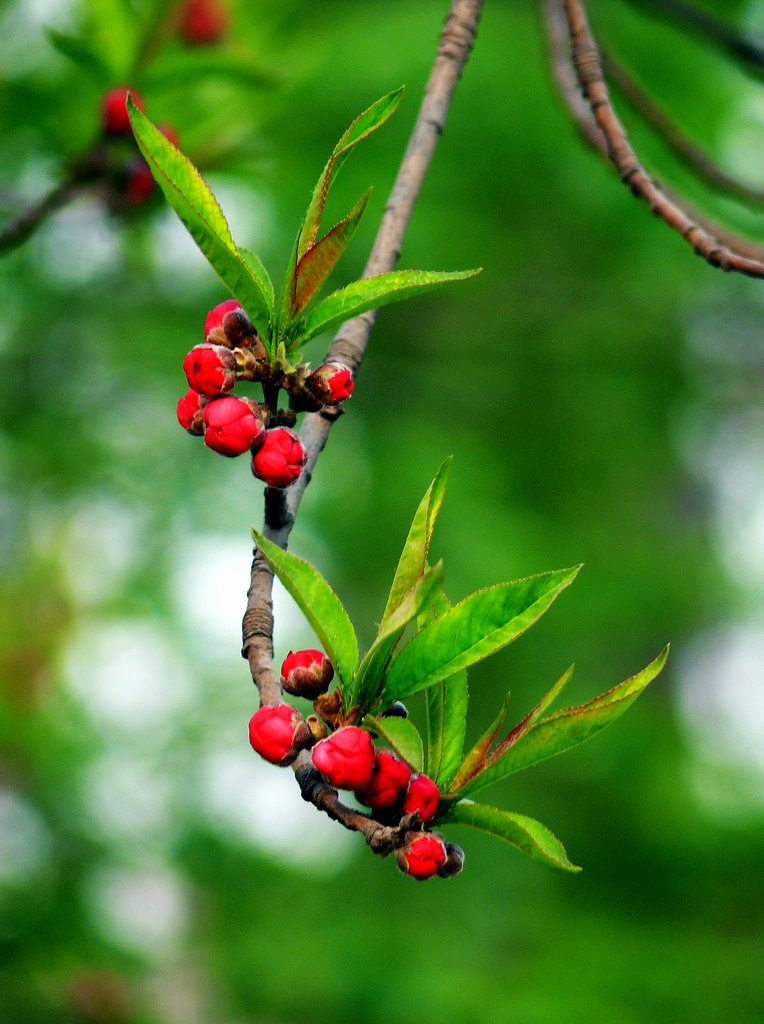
(371, 672)
(478, 626)
(363, 126)
(77, 50)
(446, 707)
(320, 606)
(311, 262)
(402, 735)
(193, 201)
(527, 835)
(564, 729)
(317, 263)
(449, 639)
(373, 292)
(417, 544)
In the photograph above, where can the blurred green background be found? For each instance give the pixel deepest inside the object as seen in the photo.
(601, 391)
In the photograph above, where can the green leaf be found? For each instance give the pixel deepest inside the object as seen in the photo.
(476, 755)
(112, 30)
(366, 123)
(370, 675)
(476, 627)
(447, 711)
(373, 292)
(413, 558)
(318, 262)
(525, 724)
(402, 735)
(569, 727)
(192, 199)
(286, 298)
(320, 606)
(446, 707)
(84, 56)
(257, 269)
(526, 834)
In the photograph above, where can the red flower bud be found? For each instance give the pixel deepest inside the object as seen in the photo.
(201, 22)
(423, 855)
(346, 758)
(114, 117)
(332, 382)
(389, 777)
(138, 183)
(188, 412)
(278, 733)
(232, 425)
(228, 324)
(421, 796)
(306, 673)
(280, 459)
(210, 369)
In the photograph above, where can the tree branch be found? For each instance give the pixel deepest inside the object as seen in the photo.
(716, 246)
(454, 47)
(692, 155)
(27, 222)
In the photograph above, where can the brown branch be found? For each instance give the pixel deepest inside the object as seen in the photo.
(27, 222)
(684, 147)
(454, 47)
(716, 246)
(83, 171)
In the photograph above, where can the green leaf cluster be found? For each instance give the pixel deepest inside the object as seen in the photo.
(285, 322)
(426, 644)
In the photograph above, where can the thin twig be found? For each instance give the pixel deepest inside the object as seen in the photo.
(27, 222)
(349, 346)
(567, 83)
(684, 147)
(705, 241)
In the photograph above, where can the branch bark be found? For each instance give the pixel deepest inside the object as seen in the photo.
(454, 47)
(692, 155)
(604, 130)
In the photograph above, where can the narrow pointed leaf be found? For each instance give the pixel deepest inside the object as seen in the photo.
(257, 269)
(81, 54)
(526, 834)
(446, 707)
(413, 558)
(370, 675)
(476, 756)
(530, 719)
(112, 31)
(319, 604)
(403, 737)
(373, 292)
(366, 123)
(318, 262)
(286, 298)
(569, 727)
(478, 626)
(192, 199)
(447, 724)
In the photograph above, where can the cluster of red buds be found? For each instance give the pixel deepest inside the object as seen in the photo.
(233, 351)
(347, 759)
(122, 164)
